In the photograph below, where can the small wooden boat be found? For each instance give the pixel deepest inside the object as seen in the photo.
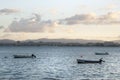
(24, 56)
(106, 53)
(89, 61)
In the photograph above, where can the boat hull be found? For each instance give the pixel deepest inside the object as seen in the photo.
(87, 61)
(23, 56)
(101, 53)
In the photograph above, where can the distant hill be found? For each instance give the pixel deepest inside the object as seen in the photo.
(59, 40)
(7, 41)
(66, 40)
(117, 41)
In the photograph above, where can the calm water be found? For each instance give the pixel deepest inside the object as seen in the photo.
(59, 63)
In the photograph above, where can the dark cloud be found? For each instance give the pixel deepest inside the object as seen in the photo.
(109, 18)
(38, 17)
(1, 27)
(33, 24)
(8, 11)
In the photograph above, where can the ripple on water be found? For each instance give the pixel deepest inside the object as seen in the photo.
(50, 78)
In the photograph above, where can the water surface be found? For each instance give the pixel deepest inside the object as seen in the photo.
(59, 63)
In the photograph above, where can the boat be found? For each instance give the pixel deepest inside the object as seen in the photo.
(24, 56)
(89, 61)
(106, 53)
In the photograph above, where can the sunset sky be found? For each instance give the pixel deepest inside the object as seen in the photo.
(69, 19)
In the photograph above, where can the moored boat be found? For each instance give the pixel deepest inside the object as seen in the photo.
(106, 53)
(89, 61)
(24, 56)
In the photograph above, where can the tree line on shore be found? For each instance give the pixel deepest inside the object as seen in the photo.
(41, 43)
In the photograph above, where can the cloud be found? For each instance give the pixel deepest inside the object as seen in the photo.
(82, 18)
(6, 11)
(36, 24)
(92, 18)
(109, 18)
(33, 24)
(1, 27)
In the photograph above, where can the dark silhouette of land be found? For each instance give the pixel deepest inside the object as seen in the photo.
(60, 42)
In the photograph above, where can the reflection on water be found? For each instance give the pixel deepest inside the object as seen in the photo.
(58, 63)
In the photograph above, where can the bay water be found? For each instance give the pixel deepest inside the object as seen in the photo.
(58, 63)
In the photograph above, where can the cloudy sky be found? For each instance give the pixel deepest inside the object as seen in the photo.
(71, 19)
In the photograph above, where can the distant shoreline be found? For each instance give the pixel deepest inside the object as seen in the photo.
(55, 46)
(60, 42)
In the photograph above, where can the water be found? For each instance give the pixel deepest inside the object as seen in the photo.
(59, 63)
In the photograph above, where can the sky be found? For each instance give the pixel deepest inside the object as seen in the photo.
(55, 19)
